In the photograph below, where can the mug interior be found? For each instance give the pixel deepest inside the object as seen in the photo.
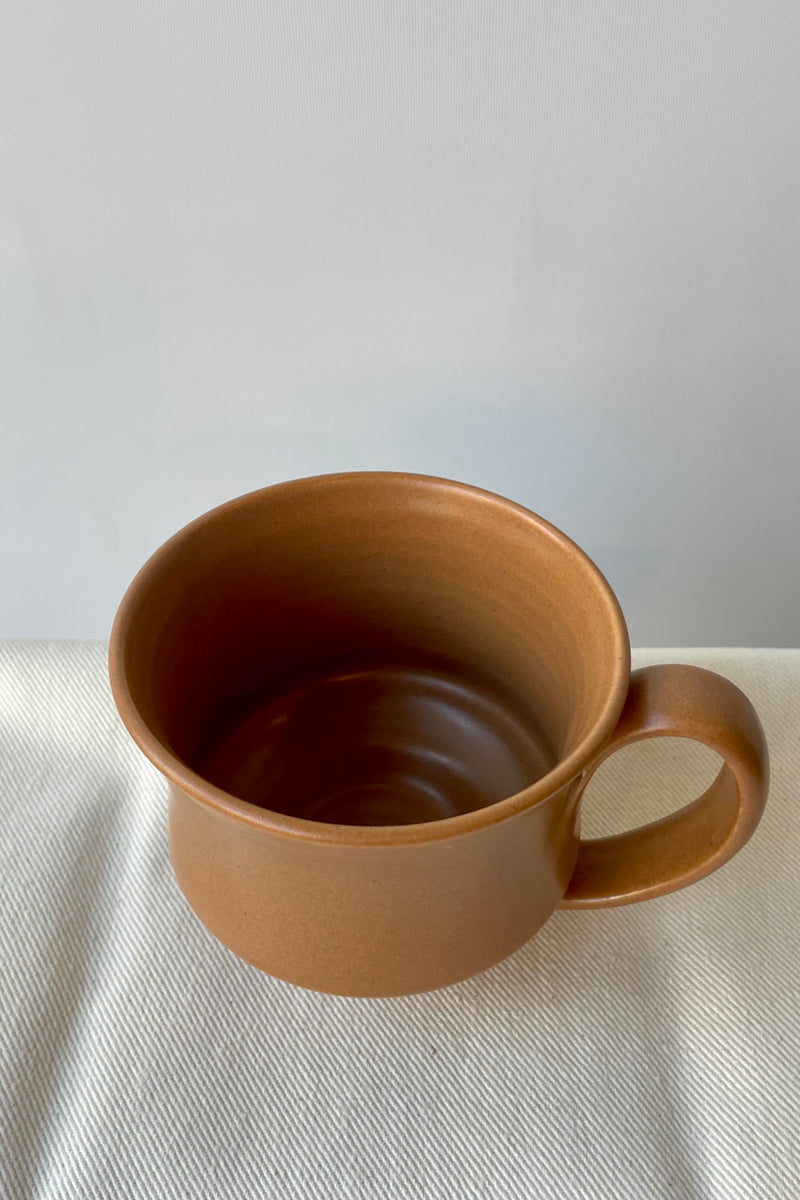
(369, 649)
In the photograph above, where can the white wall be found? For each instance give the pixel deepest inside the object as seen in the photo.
(550, 248)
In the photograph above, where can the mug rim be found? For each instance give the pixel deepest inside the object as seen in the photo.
(228, 805)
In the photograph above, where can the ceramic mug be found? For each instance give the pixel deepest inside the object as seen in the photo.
(378, 699)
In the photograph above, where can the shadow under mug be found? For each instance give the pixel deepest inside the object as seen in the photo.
(378, 699)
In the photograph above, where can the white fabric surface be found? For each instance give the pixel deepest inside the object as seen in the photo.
(639, 1052)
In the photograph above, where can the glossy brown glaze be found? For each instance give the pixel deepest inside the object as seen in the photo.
(378, 698)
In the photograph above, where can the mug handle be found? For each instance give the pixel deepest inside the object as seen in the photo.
(689, 702)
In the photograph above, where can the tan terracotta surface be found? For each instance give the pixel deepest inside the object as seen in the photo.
(378, 698)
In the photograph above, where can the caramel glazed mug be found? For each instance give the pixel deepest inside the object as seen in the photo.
(378, 699)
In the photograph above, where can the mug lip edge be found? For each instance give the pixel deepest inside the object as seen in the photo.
(181, 775)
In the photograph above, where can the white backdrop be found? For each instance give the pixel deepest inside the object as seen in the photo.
(549, 248)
